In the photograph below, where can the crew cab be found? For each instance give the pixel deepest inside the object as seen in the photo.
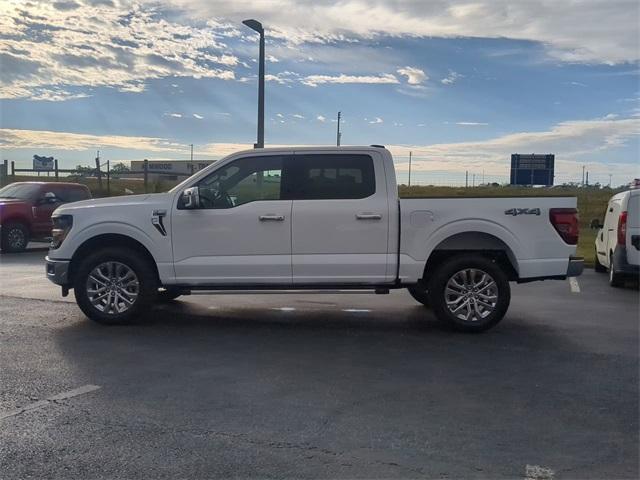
(617, 245)
(313, 219)
(26, 208)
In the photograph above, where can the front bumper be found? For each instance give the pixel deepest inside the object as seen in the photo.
(58, 271)
(576, 267)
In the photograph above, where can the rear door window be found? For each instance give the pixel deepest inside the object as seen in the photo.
(332, 176)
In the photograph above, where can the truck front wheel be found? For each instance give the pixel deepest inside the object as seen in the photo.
(114, 286)
(469, 292)
(15, 237)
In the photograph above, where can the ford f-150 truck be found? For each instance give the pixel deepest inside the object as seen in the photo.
(309, 218)
(26, 208)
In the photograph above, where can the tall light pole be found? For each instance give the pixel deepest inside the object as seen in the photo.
(338, 134)
(257, 26)
(410, 168)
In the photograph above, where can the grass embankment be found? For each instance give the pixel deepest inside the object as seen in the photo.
(591, 201)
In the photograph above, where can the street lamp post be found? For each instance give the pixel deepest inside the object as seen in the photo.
(257, 26)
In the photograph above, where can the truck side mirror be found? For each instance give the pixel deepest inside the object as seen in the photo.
(191, 198)
(595, 224)
(49, 197)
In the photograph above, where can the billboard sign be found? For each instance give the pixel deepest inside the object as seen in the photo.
(532, 169)
(42, 163)
(171, 166)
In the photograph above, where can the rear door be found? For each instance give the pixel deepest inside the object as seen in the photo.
(633, 229)
(340, 219)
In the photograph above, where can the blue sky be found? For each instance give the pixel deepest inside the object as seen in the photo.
(460, 84)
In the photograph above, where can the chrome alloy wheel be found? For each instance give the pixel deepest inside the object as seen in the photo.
(112, 287)
(471, 294)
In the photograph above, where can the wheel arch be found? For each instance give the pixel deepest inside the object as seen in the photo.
(481, 243)
(110, 240)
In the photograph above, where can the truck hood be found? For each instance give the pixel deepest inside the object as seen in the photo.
(119, 202)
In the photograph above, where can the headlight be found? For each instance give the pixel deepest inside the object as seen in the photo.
(61, 226)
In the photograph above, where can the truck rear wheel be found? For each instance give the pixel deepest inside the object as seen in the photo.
(15, 237)
(469, 293)
(114, 286)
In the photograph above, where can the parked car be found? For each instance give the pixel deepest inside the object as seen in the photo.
(26, 208)
(309, 218)
(617, 245)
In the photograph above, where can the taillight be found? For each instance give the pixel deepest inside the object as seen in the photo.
(565, 221)
(622, 228)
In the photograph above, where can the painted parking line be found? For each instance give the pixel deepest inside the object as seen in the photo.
(50, 400)
(575, 286)
(536, 472)
(356, 310)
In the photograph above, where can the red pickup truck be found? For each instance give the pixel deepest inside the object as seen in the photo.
(26, 208)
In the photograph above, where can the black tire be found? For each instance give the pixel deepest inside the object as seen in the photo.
(168, 293)
(597, 266)
(15, 237)
(616, 279)
(147, 285)
(419, 293)
(472, 292)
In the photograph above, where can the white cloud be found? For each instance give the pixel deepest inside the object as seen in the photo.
(320, 118)
(600, 31)
(415, 76)
(272, 59)
(46, 50)
(573, 142)
(174, 115)
(376, 120)
(298, 116)
(451, 78)
(315, 80)
(199, 117)
(472, 124)
(279, 115)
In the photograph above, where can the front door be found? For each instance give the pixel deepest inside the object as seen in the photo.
(340, 216)
(241, 234)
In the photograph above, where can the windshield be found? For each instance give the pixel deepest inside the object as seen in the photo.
(22, 191)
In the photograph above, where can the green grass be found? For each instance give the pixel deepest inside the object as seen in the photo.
(591, 201)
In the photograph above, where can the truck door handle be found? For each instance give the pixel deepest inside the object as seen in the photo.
(271, 218)
(369, 216)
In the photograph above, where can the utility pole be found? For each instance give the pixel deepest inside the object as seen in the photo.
(587, 178)
(410, 168)
(474, 180)
(98, 172)
(583, 175)
(192, 153)
(338, 134)
(466, 179)
(257, 27)
(609, 180)
(483, 177)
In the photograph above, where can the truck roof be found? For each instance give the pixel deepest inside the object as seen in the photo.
(321, 148)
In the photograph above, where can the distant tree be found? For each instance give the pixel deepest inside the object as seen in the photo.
(84, 171)
(120, 168)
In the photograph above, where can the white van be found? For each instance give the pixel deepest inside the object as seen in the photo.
(618, 240)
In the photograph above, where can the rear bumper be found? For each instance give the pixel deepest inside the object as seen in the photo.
(57, 271)
(576, 267)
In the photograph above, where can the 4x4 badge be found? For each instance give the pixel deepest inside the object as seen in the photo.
(522, 211)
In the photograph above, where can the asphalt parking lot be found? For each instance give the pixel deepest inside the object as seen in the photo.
(338, 386)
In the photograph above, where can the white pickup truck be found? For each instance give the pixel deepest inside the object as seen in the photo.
(314, 219)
